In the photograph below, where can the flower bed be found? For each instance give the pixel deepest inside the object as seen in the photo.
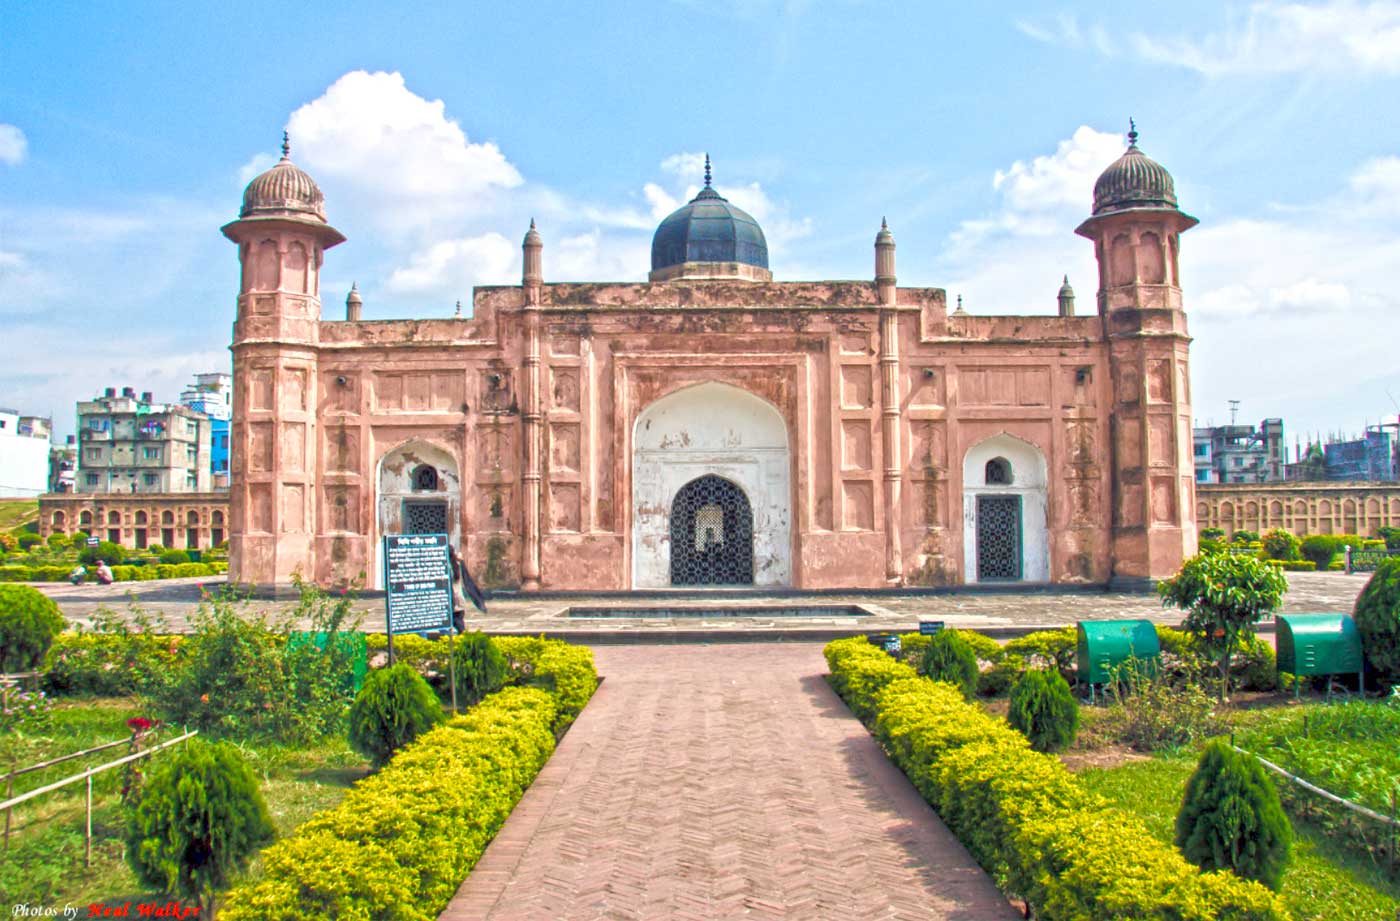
(1022, 815)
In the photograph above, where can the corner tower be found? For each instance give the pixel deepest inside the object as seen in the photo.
(1136, 228)
(281, 234)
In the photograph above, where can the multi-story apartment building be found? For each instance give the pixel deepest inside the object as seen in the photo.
(24, 454)
(135, 445)
(212, 394)
(63, 466)
(1239, 453)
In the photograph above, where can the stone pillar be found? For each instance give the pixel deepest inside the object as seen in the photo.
(532, 280)
(885, 283)
(1150, 449)
(272, 439)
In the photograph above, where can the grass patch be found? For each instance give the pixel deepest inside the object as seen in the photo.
(1324, 881)
(17, 515)
(45, 861)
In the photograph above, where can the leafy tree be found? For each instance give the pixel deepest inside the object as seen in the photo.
(1377, 616)
(393, 708)
(199, 820)
(1391, 536)
(29, 621)
(1231, 818)
(1223, 596)
(1044, 710)
(949, 658)
(1281, 545)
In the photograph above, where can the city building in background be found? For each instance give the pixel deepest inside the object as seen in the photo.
(63, 466)
(212, 394)
(1374, 457)
(131, 444)
(24, 454)
(1239, 453)
(175, 521)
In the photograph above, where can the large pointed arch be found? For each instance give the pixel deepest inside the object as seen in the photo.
(1006, 533)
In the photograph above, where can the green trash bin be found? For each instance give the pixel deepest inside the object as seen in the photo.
(1318, 644)
(195, 556)
(352, 644)
(1106, 644)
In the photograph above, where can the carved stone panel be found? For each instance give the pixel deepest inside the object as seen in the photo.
(293, 508)
(564, 392)
(564, 446)
(293, 389)
(858, 512)
(260, 389)
(928, 445)
(1164, 500)
(260, 445)
(1159, 439)
(1129, 443)
(260, 507)
(855, 445)
(856, 388)
(1159, 380)
(342, 449)
(563, 507)
(293, 447)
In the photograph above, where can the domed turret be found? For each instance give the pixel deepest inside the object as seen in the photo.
(1134, 180)
(283, 191)
(709, 238)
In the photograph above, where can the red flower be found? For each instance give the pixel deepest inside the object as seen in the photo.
(140, 723)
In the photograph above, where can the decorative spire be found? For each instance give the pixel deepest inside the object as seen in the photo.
(286, 146)
(1132, 132)
(707, 171)
(532, 223)
(883, 225)
(457, 315)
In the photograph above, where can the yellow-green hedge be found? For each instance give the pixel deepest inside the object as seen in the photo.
(401, 842)
(1024, 817)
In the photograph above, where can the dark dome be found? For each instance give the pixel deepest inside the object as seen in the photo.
(283, 190)
(1134, 180)
(708, 229)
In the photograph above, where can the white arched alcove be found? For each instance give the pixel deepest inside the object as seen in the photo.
(1000, 469)
(418, 486)
(716, 429)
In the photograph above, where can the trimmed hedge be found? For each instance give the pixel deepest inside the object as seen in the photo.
(1294, 565)
(401, 842)
(119, 573)
(1022, 815)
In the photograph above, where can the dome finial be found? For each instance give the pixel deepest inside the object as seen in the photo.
(457, 314)
(532, 223)
(1132, 132)
(286, 146)
(883, 225)
(707, 171)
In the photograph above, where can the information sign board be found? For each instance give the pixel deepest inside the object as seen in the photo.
(93, 542)
(930, 627)
(417, 583)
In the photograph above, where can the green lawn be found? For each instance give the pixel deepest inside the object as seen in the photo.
(45, 862)
(1324, 882)
(16, 513)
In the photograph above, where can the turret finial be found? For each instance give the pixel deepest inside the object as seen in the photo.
(458, 314)
(707, 171)
(286, 146)
(532, 223)
(883, 225)
(1066, 279)
(1132, 132)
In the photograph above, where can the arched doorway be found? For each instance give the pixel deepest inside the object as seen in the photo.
(419, 493)
(710, 432)
(1005, 533)
(711, 534)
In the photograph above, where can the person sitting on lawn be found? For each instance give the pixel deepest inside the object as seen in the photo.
(104, 573)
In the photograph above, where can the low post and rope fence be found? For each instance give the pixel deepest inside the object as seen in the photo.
(13, 801)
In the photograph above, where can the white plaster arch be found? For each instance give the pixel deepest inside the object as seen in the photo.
(1028, 481)
(711, 428)
(394, 484)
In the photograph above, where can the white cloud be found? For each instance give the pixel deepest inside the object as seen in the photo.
(1341, 37)
(1062, 179)
(14, 146)
(451, 267)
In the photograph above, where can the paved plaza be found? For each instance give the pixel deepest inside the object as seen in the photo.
(725, 781)
(997, 613)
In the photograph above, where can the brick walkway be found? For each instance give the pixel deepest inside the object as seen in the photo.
(713, 782)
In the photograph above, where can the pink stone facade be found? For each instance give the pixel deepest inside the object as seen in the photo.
(522, 423)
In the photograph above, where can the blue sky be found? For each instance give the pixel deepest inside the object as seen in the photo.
(127, 132)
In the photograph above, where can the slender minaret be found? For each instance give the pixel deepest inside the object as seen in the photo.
(1136, 229)
(885, 282)
(353, 304)
(532, 279)
(1066, 299)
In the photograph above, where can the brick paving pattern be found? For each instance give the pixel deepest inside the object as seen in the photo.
(715, 782)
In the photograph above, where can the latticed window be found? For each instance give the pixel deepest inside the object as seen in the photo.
(425, 478)
(709, 528)
(711, 534)
(998, 472)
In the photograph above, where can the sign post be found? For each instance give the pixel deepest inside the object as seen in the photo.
(417, 585)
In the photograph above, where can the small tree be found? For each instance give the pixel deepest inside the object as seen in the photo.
(200, 819)
(1281, 545)
(1044, 710)
(1320, 548)
(481, 668)
(949, 658)
(29, 621)
(1224, 596)
(393, 708)
(79, 539)
(1231, 818)
(1377, 616)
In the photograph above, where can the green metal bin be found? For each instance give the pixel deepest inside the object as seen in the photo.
(352, 645)
(1106, 644)
(1318, 644)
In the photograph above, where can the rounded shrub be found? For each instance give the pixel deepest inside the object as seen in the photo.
(174, 557)
(200, 818)
(29, 620)
(57, 540)
(1320, 548)
(106, 551)
(1212, 533)
(28, 541)
(391, 710)
(1044, 710)
(481, 667)
(1280, 544)
(1231, 818)
(1377, 616)
(949, 658)
(1244, 537)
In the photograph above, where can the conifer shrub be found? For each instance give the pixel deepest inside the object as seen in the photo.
(1377, 616)
(1320, 548)
(1044, 710)
(949, 658)
(29, 621)
(1280, 544)
(481, 667)
(393, 708)
(200, 818)
(1231, 818)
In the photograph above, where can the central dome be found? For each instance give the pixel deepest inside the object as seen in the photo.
(709, 238)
